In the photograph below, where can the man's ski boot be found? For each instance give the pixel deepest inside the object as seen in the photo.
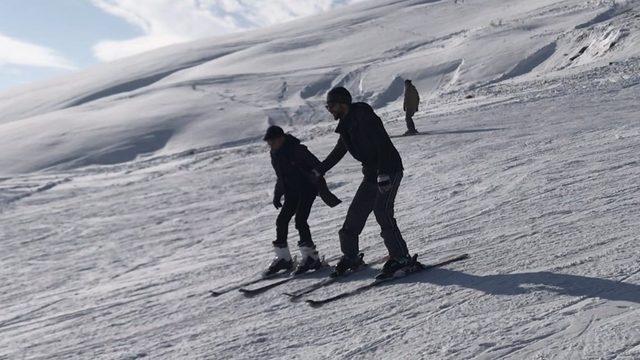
(397, 267)
(347, 263)
(282, 261)
(310, 260)
(411, 132)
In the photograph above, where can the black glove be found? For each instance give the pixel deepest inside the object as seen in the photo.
(384, 183)
(276, 201)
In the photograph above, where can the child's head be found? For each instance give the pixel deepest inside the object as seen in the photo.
(274, 137)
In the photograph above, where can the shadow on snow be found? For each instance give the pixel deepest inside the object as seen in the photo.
(523, 283)
(449, 132)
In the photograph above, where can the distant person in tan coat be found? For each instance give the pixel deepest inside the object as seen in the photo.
(411, 102)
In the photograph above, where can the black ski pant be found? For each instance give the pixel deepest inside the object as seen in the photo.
(298, 204)
(409, 119)
(368, 198)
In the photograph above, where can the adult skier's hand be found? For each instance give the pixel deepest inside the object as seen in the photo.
(276, 201)
(384, 183)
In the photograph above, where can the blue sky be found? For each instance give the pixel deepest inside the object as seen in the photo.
(44, 38)
(64, 29)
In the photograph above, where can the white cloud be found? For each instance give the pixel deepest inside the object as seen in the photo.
(17, 52)
(166, 22)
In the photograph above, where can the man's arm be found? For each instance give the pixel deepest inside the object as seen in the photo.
(404, 103)
(338, 152)
(380, 138)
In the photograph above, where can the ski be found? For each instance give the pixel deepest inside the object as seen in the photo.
(378, 282)
(259, 290)
(407, 135)
(218, 292)
(293, 296)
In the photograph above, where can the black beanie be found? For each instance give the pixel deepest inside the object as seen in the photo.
(273, 132)
(339, 95)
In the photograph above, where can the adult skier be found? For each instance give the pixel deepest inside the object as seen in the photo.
(293, 164)
(411, 103)
(363, 135)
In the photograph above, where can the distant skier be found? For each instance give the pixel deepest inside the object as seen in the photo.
(293, 164)
(363, 135)
(411, 103)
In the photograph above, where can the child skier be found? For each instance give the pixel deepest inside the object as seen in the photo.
(293, 164)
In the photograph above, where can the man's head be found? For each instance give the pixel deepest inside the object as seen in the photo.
(274, 137)
(407, 83)
(338, 102)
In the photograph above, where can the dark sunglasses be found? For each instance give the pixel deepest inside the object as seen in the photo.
(330, 105)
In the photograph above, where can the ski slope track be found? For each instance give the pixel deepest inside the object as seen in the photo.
(130, 190)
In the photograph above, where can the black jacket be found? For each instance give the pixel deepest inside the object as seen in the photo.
(363, 135)
(293, 164)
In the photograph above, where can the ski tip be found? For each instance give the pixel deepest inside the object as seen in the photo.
(293, 298)
(246, 293)
(313, 303)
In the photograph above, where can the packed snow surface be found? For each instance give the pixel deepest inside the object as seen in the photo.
(130, 190)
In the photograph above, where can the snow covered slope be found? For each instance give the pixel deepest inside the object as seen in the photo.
(530, 166)
(224, 91)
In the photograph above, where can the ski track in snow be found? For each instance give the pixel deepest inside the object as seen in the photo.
(535, 176)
